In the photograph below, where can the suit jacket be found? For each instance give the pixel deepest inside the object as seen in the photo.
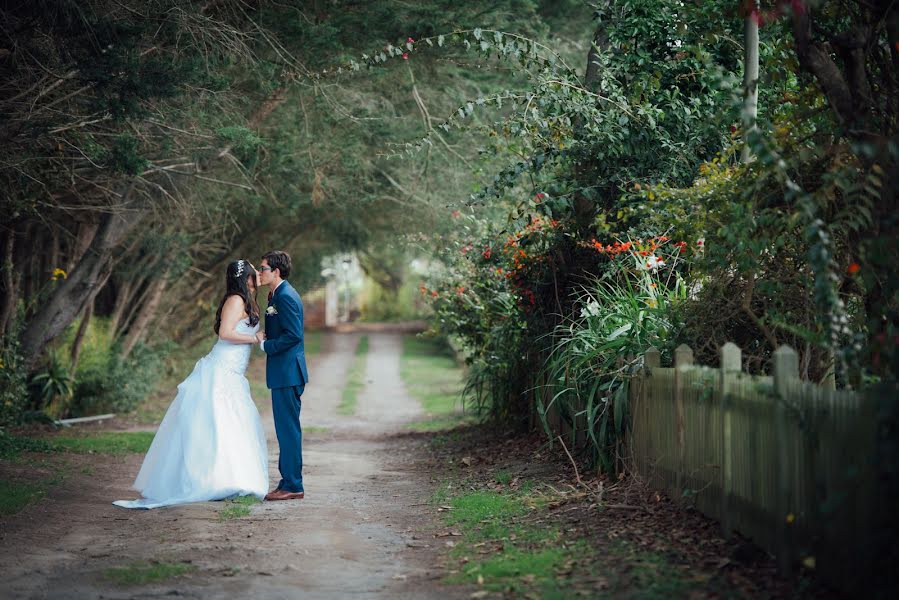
(285, 362)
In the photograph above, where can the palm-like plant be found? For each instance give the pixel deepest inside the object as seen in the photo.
(54, 387)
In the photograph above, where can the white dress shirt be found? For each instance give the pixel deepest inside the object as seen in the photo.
(262, 343)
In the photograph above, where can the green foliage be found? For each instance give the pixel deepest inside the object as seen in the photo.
(381, 304)
(594, 356)
(123, 156)
(109, 383)
(244, 143)
(14, 396)
(52, 387)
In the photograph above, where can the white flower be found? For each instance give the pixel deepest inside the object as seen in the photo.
(591, 310)
(271, 310)
(652, 263)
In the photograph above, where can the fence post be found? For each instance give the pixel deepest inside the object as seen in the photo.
(786, 371)
(683, 358)
(731, 365)
(652, 358)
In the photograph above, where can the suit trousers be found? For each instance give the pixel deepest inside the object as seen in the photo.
(286, 404)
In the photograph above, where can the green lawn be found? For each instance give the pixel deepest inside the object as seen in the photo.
(11, 446)
(500, 547)
(15, 496)
(355, 380)
(116, 442)
(436, 380)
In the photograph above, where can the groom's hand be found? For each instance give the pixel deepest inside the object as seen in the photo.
(260, 337)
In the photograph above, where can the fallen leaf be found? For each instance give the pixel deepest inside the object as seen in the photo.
(480, 594)
(466, 461)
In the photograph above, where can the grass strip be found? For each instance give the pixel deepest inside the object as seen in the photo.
(115, 442)
(11, 446)
(355, 380)
(138, 573)
(434, 378)
(237, 508)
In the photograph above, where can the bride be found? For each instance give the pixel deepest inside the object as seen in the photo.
(210, 444)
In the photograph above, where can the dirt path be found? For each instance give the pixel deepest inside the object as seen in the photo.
(354, 535)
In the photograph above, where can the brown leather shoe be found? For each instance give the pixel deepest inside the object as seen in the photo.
(284, 495)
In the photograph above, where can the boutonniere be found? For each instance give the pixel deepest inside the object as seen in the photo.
(271, 310)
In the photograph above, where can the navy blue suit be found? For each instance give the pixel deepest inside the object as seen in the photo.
(286, 376)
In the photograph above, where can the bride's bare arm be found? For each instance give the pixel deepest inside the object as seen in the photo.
(232, 312)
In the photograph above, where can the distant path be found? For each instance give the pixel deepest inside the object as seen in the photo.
(351, 537)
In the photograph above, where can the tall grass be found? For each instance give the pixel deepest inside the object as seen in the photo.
(595, 354)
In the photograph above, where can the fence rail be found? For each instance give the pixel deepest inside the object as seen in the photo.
(789, 464)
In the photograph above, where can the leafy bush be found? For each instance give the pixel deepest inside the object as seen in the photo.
(13, 382)
(108, 383)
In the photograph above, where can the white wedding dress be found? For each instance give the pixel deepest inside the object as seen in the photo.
(210, 444)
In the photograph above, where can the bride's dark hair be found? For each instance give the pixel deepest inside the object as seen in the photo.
(236, 276)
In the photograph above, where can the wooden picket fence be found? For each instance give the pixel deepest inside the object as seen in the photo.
(789, 464)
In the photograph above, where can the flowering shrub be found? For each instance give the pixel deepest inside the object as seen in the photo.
(595, 352)
(542, 314)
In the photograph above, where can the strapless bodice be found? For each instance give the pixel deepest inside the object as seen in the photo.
(230, 355)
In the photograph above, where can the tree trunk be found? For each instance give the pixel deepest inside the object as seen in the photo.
(815, 59)
(136, 331)
(137, 302)
(54, 250)
(83, 238)
(584, 208)
(79, 337)
(10, 295)
(123, 298)
(750, 75)
(88, 276)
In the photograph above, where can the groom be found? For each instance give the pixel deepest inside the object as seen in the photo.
(285, 370)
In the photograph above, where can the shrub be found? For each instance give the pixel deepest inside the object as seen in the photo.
(109, 383)
(13, 382)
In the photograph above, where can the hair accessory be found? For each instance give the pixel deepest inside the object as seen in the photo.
(239, 268)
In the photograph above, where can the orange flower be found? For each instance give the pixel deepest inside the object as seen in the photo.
(853, 268)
